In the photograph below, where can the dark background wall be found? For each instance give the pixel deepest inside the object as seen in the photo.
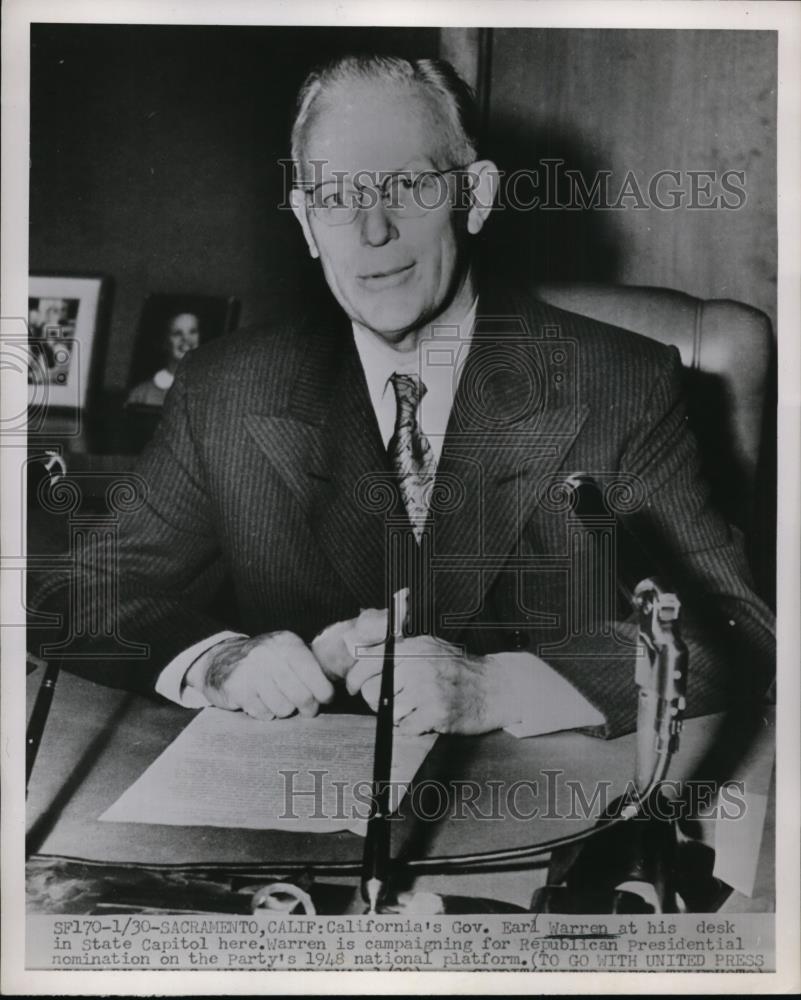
(154, 155)
(154, 159)
(643, 102)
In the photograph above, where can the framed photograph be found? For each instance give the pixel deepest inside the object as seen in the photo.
(171, 325)
(66, 326)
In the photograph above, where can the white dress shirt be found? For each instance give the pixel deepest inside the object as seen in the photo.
(548, 702)
(438, 359)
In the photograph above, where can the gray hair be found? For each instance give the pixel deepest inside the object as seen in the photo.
(453, 96)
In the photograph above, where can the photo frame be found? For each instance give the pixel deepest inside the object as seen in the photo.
(66, 336)
(170, 325)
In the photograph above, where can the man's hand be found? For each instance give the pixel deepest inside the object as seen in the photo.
(267, 676)
(439, 689)
(338, 647)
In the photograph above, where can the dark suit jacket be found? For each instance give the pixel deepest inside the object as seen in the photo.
(268, 505)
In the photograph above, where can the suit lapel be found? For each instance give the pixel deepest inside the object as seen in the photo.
(295, 449)
(351, 508)
(327, 447)
(511, 427)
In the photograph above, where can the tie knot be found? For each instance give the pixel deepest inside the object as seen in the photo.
(409, 390)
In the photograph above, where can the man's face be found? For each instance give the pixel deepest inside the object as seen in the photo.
(389, 273)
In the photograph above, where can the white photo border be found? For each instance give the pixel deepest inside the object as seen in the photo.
(785, 19)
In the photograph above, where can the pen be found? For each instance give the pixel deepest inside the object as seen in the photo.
(375, 860)
(38, 720)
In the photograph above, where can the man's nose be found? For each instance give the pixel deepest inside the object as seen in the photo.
(377, 226)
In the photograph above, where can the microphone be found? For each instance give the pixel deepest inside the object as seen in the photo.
(661, 668)
(661, 676)
(598, 876)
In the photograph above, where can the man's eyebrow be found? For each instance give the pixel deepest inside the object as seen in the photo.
(340, 176)
(409, 166)
(413, 164)
(306, 185)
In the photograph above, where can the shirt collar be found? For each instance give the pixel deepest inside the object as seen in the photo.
(380, 361)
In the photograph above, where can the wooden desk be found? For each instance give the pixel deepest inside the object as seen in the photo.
(98, 740)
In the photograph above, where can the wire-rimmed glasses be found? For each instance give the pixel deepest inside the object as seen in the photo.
(404, 193)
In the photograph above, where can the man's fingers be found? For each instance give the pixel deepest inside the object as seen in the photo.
(371, 626)
(332, 652)
(364, 669)
(256, 708)
(303, 665)
(366, 630)
(405, 703)
(371, 691)
(341, 647)
(291, 685)
(416, 723)
(274, 699)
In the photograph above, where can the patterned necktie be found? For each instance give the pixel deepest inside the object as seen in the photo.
(410, 451)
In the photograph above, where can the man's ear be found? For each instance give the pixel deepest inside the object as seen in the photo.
(301, 213)
(483, 188)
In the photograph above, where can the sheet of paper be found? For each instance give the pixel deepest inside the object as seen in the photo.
(740, 824)
(733, 822)
(304, 775)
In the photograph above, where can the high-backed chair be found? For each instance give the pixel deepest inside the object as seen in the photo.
(726, 348)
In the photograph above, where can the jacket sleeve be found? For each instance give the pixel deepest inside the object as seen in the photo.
(729, 631)
(154, 591)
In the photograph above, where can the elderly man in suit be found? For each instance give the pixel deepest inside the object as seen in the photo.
(286, 458)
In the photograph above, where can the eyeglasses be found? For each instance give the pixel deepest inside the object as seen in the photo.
(404, 194)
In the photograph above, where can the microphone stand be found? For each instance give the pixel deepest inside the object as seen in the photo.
(600, 875)
(39, 714)
(638, 865)
(376, 856)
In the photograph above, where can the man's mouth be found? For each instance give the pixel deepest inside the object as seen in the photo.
(387, 278)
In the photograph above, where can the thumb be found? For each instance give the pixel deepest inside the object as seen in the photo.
(364, 641)
(339, 646)
(371, 626)
(369, 629)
